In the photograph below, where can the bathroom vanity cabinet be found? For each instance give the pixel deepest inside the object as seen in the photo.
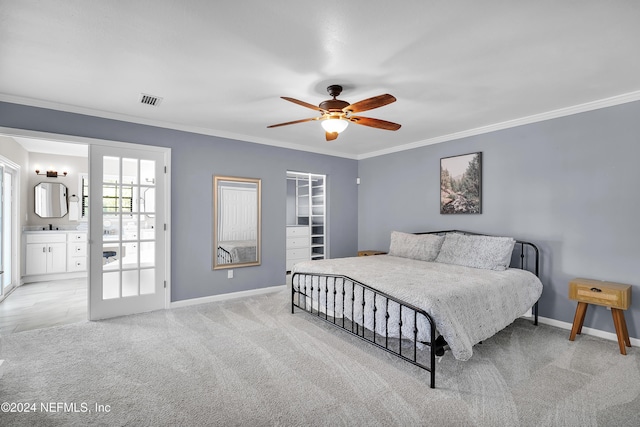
(50, 254)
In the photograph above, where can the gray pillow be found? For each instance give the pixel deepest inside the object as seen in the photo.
(423, 247)
(487, 252)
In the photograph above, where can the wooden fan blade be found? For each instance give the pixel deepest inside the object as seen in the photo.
(304, 104)
(294, 122)
(374, 123)
(331, 135)
(370, 103)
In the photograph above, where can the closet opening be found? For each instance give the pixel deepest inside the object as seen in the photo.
(306, 217)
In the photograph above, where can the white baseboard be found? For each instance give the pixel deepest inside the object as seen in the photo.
(51, 277)
(224, 297)
(586, 331)
(241, 294)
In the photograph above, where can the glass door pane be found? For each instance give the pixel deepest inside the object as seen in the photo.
(124, 226)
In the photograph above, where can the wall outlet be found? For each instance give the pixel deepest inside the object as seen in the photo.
(229, 274)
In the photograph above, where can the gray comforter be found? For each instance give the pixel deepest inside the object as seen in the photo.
(240, 250)
(467, 304)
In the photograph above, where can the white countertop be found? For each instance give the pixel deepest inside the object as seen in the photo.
(52, 231)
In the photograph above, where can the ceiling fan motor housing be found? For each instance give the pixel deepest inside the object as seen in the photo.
(334, 105)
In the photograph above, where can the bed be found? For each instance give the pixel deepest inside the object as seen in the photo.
(433, 291)
(236, 251)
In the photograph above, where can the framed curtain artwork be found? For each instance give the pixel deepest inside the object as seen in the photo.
(461, 184)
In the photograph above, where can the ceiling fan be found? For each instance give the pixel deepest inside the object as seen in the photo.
(336, 114)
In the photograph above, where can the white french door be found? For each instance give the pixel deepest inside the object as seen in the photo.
(127, 210)
(2, 232)
(8, 216)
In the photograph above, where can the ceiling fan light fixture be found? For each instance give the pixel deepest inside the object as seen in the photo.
(334, 124)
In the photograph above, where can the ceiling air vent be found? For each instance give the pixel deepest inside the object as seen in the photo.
(152, 100)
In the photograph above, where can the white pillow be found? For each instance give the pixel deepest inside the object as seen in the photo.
(487, 252)
(423, 247)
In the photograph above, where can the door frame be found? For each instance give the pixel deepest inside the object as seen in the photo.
(16, 241)
(116, 144)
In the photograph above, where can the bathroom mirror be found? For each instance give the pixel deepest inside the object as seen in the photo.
(236, 222)
(50, 200)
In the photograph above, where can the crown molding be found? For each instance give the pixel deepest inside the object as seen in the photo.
(167, 125)
(554, 114)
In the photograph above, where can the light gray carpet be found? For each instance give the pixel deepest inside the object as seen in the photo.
(251, 362)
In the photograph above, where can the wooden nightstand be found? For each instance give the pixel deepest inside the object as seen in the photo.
(614, 295)
(368, 253)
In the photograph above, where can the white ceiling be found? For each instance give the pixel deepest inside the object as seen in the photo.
(53, 147)
(456, 67)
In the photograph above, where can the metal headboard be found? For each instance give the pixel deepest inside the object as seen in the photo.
(526, 256)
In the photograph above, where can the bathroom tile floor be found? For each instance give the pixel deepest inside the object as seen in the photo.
(44, 304)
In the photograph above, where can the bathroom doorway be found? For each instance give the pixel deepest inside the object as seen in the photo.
(29, 299)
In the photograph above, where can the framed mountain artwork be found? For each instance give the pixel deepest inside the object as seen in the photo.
(461, 184)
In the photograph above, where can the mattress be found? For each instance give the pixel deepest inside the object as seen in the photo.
(241, 251)
(467, 304)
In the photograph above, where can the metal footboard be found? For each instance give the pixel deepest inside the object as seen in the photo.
(351, 305)
(224, 256)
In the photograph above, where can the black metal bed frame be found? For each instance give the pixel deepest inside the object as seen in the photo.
(407, 351)
(224, 256)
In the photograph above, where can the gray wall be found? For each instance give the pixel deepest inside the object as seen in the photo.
(570, 185)
(195, 159)
(291, 202)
